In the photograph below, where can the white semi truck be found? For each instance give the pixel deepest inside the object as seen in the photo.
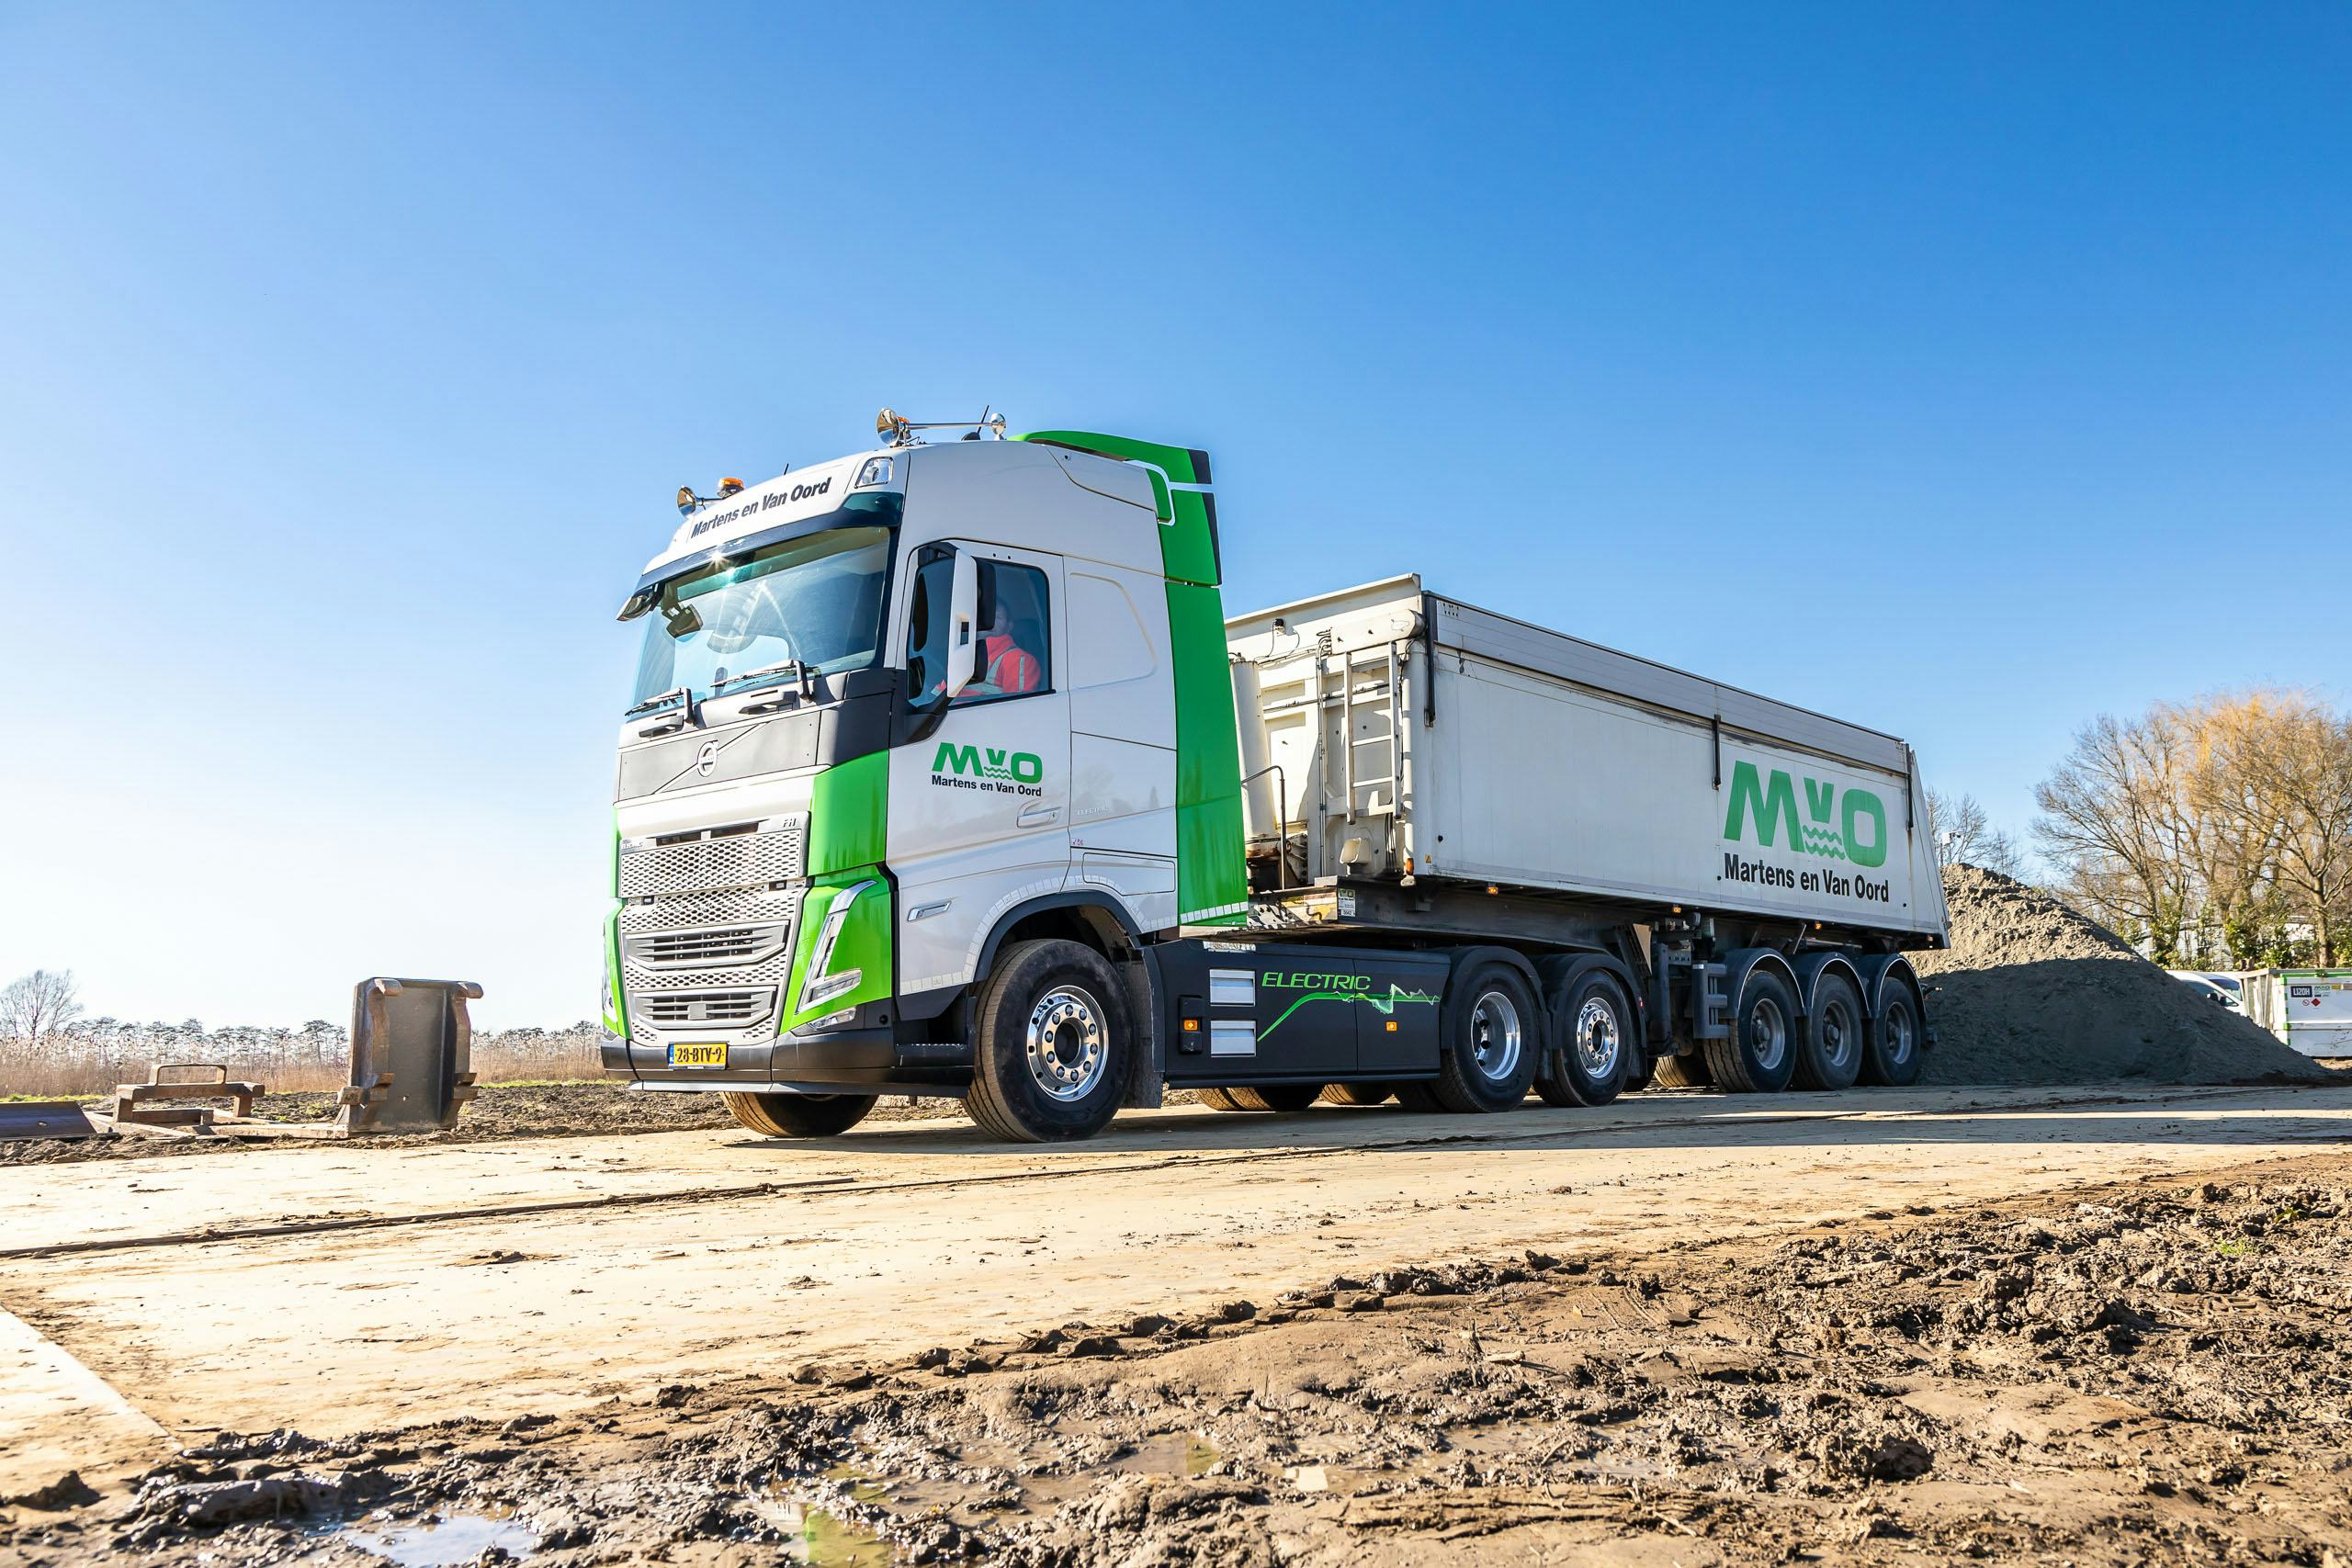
(946, 773)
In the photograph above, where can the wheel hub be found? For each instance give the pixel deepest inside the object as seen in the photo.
(1064, 1043)
(1768, 1033)
(1494, 1036)
(1598, 1041)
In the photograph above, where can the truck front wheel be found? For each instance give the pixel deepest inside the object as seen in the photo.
(798, 1115)
(1493, 1033)
(1051, 1056)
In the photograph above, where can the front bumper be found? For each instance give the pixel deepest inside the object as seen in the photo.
(868, 1057)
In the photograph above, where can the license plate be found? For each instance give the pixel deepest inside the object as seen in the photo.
(698, 1055)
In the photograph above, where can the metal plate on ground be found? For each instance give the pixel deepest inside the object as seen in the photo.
(44, 1119)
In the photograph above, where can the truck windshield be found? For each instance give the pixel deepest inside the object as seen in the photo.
(816, 599)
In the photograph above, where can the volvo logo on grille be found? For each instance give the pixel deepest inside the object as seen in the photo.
(707, 759)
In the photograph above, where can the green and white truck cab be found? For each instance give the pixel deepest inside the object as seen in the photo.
(933, 782)
(836, 805)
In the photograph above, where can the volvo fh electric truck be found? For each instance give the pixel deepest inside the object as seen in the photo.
(947, 772)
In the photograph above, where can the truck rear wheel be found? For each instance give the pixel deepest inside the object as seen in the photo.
(1891, 1057)
(1358, 1093)
(1284, 1098)
(1051, 1056)
(1596, 1043)
(1684, 1072)
(1761, 1054)
(1493, 1033)
(798, 1115)
(1219, 1100)
(1831, 1057)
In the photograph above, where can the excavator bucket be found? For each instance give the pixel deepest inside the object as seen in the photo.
(410, 1044)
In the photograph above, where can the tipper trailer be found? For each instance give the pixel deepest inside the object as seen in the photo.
(946, 773)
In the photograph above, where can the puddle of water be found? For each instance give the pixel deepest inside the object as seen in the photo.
(862, 1486)
(818, 1538)
(1199, 1454)
(458, 1538)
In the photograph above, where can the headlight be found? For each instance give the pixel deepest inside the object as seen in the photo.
(822, 984)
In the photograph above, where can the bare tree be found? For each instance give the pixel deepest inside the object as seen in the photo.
(39, 1004)
(1965, 836)
(2115, 823)
(2222, 826)
(2305, 775)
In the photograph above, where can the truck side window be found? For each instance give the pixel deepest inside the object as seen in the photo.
(1015, 655)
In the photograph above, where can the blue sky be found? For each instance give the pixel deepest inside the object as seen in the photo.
(1965, 372)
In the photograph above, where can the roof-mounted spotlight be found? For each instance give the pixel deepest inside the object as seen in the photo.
(689, 500)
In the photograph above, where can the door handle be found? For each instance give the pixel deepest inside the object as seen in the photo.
(1038, 817)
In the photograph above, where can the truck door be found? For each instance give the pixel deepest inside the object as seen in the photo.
(979, 807)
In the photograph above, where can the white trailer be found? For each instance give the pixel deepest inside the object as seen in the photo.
(2309, 1009)
(1419, 738)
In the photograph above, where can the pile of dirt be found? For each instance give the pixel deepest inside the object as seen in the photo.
(2033, 991)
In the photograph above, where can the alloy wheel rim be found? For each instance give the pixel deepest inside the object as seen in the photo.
(1897, 1032)
(1768, 1033)
(1599, 1039)
(1494, 1036)
(1838, 1032)
(1064, 1043)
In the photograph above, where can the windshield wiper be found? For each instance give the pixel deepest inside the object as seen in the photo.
(682, 696)
(773, 674)
(789, 667)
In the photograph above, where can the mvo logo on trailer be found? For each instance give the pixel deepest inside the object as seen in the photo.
(1839, 822)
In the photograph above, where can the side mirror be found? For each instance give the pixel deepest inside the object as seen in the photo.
(964, 626)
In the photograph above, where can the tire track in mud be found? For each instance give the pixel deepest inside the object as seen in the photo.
(849, 1186)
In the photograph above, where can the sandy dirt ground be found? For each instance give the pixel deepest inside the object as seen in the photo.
(2104, 1324)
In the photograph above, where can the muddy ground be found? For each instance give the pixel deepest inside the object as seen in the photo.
(2149, 1371)
(502, 1111)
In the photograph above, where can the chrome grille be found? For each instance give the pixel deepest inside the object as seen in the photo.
(721, 947)
(706, 946)
(702, 865)
(734, 907)
(675, 1010)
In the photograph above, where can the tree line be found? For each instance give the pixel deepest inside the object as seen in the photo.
(50, 1045)
(2213, 833)
(2218, 830)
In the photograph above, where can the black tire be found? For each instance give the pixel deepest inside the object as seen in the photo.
(1494, 1036)
(1286, 1099)
(1597, 1042)
(1891, 1057)
(1762, 1055)
(1831, 1056)
(1219, 1100)
(1050, 1058)
(1684, 1072)
(1357, 1093)
(798, 1115)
